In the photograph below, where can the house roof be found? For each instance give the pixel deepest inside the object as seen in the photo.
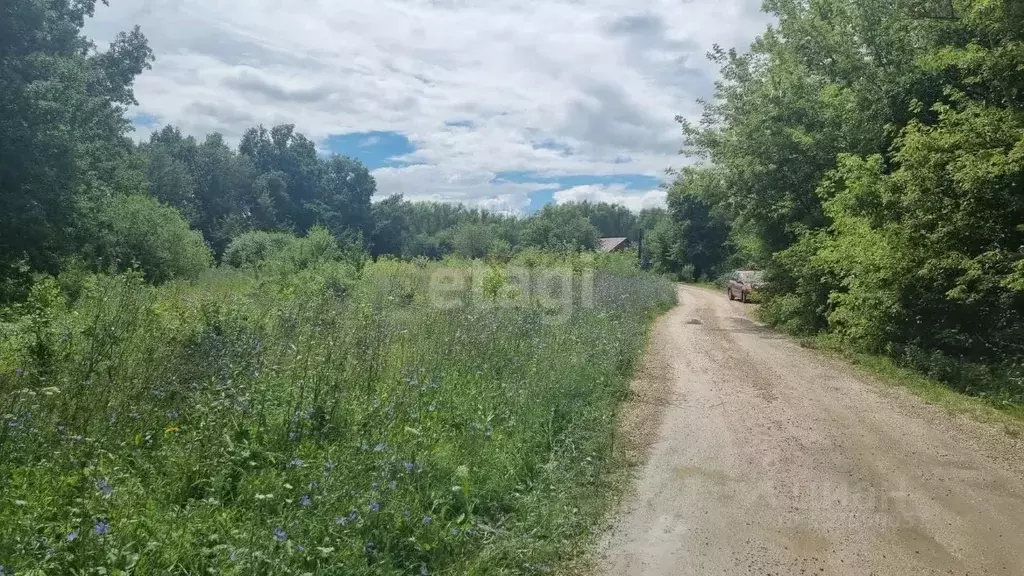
(610, 244)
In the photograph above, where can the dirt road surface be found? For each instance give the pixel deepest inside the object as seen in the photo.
(762, 457)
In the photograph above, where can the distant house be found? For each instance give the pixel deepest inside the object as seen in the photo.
(606, 245)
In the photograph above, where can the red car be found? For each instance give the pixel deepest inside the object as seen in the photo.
(743, 284)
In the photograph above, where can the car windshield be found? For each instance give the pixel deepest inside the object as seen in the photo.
(752, 276)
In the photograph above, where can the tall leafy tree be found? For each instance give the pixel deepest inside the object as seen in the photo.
(62, 129)
(561, 229)
(292, 160)
(171, 163)
(343, 196)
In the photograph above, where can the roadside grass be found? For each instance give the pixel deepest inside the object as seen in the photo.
(316, 421)
(886, 370)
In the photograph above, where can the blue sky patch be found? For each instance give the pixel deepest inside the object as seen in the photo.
(147, 121)
(539, 199)
(374, 149)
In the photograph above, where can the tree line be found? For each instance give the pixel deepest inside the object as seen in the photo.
(869, 154)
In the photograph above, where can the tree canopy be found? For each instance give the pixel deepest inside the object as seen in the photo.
(63, 141)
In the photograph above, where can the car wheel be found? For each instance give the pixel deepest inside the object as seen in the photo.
(729, 292)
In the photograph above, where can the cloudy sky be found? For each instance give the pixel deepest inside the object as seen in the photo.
(508, 104)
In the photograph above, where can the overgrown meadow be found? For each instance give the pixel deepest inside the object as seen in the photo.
(386, 418)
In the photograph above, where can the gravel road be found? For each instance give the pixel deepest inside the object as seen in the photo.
(757, 456)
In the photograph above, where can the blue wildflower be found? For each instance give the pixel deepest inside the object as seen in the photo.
(427, 520)
(300, 547)
(341, 520)
(408, 466)
(353, 516)
(297, 463)
(280, 534)
(102, 528)
(392, 485)
(329, 466)
(20, 371)
(370, 545)
(173, 414)
(305, 501)
(375, 507)
(380, 447)
(455, 531)
(73, 535)
(103, 487)
(423, 571)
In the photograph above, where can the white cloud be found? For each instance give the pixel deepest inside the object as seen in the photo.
(432, 182)
(614, 194)
(602, 78)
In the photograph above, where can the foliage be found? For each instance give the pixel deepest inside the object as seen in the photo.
(135, 230)
(694, 237)
(435, 229)
(274, 182)
(251, 249)
(264, 423)
(472, 241)
(559, 229)
(62, 133)
(664, 244)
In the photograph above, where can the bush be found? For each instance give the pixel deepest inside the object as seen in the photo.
(472, 240)
(134, 230)
(251, 249)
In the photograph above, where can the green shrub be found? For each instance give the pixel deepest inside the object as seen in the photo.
(472, 240)
(251, 249)
(135, 230)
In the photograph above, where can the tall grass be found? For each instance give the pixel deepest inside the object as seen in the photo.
(314, 423)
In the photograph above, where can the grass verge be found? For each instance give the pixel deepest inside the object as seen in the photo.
(886, 370)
